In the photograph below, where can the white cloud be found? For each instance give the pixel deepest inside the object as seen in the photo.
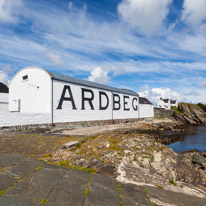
(70, 4)
(203, 83)
(194, 12)
(154, 94)
(191, 96)
(99, 75)
(192, 92)
(55, 58)
(194, 43)
(9, 10)
(3, 77)
(147, 15)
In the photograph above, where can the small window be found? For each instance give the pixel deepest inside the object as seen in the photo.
(25, 77)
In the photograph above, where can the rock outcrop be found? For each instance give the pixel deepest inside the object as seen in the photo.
(191, 113)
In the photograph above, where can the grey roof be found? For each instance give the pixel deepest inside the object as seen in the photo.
(3, 88)
(73, 80)
(144, 100)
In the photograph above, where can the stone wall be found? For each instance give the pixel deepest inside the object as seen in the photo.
(161, 112)
(8, 119)
(68, 125)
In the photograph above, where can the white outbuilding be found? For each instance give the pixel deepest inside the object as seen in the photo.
(166, 103)
(146, 108)
(4, 97)
(68, 99)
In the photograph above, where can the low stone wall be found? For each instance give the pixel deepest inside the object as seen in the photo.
(66, 125)
(161, 112)
(8, 119)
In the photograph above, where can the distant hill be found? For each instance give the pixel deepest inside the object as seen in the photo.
(3, 88)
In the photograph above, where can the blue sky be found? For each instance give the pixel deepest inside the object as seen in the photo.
(154, 47)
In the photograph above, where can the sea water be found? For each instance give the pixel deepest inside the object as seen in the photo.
(195, 139)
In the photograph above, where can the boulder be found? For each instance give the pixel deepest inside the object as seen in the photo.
(198, 159)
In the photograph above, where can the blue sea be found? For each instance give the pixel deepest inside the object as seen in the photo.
(195, 139)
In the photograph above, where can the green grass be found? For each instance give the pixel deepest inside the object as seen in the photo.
(87, 189)
(160, 187)
(65, 163)
(44, 201)
(146, 191)
(47, 155)
(171, 181)
(38, 168)
(2, 192)
(161, 117)
(120, 196)
(78, 146)
(177, 111)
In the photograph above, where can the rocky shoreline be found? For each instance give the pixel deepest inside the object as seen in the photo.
(137, 153)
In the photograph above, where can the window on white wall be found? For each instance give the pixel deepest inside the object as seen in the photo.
(25, 77)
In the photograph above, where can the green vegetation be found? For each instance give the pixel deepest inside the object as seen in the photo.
(44, 201)
(47, 155)
(202, 106)
(177, 110)
(2, 192)
(153, 203)
(78, 146)
(187, 104)
(160, 187)
(171, 181)
(65, 163)
(146, 191)
(135, 158)
(38, 168)
(3, 169)
(92, 170)
(87, 189)
(120, 196)
(161, 117)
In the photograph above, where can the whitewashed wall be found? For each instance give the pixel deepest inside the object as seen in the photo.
(162, 104)
(68, 114)
(16, 118)
(146, 110)
(4, 99)
(32, 95)
(123, 113)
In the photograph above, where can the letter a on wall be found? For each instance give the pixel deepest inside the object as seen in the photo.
(63, 98)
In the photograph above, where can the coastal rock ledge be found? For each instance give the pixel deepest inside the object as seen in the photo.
(190, 113)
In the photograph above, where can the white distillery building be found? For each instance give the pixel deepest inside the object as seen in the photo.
(167, 103)
(146, 108)
(4, 97)
(66, 99)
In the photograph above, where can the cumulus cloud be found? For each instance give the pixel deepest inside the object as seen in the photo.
(147, 15)
(203, 83)
(194, 12)
(193, 93)
(3, 77)
(55, 58)
(6, 70)
(154, 94)
(9, 10)
(99, 75)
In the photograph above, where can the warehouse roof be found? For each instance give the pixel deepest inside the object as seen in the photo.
(144, 100)
(3, 88)
(73, 80)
